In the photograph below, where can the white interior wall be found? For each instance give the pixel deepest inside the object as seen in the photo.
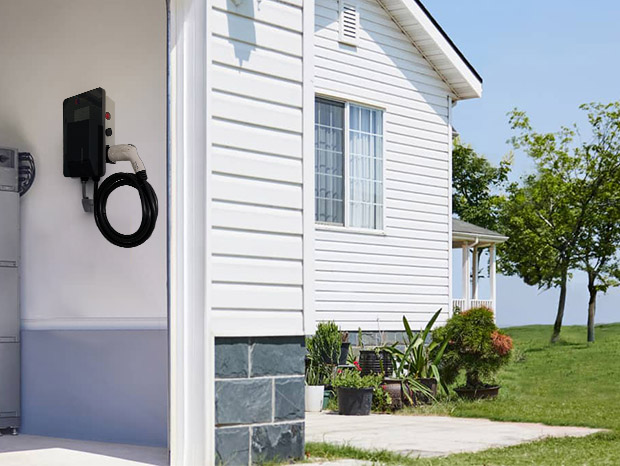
(53, 49)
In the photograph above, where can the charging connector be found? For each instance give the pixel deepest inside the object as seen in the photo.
(137, 180)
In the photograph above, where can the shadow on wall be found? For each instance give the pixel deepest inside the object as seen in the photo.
(242, 31)
(393, 50)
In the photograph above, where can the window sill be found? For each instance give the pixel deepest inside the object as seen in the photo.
(343, 229)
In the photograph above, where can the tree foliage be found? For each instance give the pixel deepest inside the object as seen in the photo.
(477, 186)
(563, 216)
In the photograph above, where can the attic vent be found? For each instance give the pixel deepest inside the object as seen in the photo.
(349, 23)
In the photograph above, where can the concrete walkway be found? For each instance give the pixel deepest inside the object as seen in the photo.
(30, 450)
(426, 436)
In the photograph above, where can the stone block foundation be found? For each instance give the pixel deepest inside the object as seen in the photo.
(259, 400)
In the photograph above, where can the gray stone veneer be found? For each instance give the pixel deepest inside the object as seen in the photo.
(259, 399)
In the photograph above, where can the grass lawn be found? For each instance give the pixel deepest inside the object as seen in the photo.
(570, 383)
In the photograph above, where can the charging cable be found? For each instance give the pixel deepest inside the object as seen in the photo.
(148, 198)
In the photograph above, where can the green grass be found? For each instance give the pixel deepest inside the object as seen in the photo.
(571, 383)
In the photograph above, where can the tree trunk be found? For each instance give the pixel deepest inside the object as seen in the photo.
(557, 326)
(591, 307)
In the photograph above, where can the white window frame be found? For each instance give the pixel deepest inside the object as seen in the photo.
(346, 169)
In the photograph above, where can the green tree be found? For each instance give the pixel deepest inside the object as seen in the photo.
(599, 244)
(551, 214)
(477, 186)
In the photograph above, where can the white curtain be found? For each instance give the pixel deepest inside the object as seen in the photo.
(365, 168)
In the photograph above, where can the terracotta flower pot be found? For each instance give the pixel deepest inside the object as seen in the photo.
(395, 389)
(419, 397)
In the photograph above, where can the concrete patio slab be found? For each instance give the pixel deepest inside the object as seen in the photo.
(427, 436)
(31, 450)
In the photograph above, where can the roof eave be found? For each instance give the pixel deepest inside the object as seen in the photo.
(495, 239)
(468, 83)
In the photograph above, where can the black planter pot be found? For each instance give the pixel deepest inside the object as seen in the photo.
(354, 401)
(481, 393)
(344, 353)
(375, 362)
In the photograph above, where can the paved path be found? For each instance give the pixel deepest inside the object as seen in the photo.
(427, 436)
(31, 450)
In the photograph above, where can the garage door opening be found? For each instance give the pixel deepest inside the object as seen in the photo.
(94, 317)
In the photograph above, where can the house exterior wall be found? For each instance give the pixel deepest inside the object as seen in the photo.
(371, 279)
(94, 338)
(261, 237)
(259, 399)
(257, 179)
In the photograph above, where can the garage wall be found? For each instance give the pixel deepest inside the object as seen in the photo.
(73, 280)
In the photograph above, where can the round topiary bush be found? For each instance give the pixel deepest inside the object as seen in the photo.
(476, 346)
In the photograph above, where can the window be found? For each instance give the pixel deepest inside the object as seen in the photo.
(348, 165)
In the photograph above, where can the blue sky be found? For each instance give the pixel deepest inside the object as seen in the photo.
(545, 58)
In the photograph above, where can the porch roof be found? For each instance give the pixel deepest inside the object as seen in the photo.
(465, 232)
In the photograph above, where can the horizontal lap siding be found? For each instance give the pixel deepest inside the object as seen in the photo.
(256, 160)
(372, 280)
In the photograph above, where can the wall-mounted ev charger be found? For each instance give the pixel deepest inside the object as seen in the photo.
(88, 135)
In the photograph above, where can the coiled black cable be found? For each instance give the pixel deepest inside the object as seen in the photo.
(27, 172)
(148, 199)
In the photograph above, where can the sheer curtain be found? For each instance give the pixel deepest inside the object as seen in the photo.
(365, 167)
(329, 161)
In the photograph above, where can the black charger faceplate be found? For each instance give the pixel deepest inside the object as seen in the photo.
(83, 135)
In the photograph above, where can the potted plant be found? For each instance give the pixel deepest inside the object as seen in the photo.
(375, 360)
(355, 391)
(416, 365)
(323, 352)
(327, 342)
(475, 347)
(344, 348)
(314, 386)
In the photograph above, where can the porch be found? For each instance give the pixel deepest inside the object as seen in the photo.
(473, 240)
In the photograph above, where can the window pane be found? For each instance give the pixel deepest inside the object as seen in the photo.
(329, 161)
(366, 167)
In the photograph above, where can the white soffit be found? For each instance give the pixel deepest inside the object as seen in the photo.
(430, 39)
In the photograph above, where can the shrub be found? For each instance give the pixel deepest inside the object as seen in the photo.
(325, 343)
(323, 353)
(475, 346)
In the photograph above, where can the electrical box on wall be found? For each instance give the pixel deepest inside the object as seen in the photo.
(10, 415)
(8, 169)
(87, 129)
(88, 144)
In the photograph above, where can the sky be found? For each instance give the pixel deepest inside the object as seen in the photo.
(545, 58)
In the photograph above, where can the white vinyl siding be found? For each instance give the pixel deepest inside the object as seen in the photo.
(257, 172)
(371, 279)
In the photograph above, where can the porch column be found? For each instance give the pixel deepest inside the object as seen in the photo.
(492, 266)
(474, 273)
(465, 278)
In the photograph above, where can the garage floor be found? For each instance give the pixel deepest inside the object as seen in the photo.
(426, 436)
(30, 450)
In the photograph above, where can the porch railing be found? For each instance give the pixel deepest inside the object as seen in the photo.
(463, 305)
